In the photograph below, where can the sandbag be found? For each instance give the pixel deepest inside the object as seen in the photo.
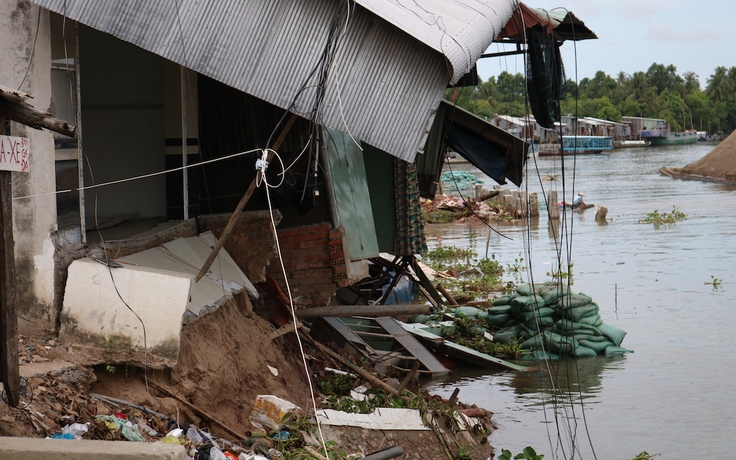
(498, 320)
(527, 303)
(499, 310)
(591, 320)
(468, 312)
(540, 322)
(544, 311)
(574, 300)
(551, 291)
(544, 355)
(422, 319)
(502, 300)
(506, 335)
(525, 290)
(565, 326)
(614, 351)
(613, 333)
(575, 313)
(581, 351)
(599, 347)
(550, 341)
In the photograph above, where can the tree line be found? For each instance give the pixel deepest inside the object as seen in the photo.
(660, 92)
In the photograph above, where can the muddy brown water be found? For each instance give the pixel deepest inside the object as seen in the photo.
(676, 394)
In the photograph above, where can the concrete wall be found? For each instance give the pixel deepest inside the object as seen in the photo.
(63, 449)
(34, 219)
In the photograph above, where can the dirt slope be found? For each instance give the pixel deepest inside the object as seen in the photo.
(719, 162)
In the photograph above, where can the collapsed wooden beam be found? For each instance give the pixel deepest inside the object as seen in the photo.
(15, 108)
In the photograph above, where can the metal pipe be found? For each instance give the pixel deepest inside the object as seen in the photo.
(390, 452)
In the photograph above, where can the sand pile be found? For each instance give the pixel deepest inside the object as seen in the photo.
(720, 162)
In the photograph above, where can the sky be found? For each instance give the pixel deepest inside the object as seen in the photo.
(693, 35)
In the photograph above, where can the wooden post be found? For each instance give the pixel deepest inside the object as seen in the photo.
(601, 214)
(9, 367)
(552, 208)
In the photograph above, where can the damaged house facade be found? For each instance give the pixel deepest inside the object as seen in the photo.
(347, 95)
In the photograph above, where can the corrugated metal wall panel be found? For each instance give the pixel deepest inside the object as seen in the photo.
(389, 84)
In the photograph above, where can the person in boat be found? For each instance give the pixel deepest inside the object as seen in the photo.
(578, 201)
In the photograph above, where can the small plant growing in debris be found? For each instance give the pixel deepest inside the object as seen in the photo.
(663, 218)
(527, 454)
(560, 275)
(517, 266)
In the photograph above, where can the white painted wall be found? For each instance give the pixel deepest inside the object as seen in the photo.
(34, 219)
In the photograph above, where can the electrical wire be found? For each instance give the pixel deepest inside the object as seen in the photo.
(142, 176)
(262, 174)
(33, 50)
(566, 236)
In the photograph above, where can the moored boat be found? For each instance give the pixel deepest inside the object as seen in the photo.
(572, 145)
(662, 137)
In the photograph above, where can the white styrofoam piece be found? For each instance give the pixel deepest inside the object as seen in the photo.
(379, 419)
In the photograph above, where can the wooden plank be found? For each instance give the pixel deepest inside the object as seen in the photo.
(363, 310)
(459, 351)
(413, 346)
(9, 367)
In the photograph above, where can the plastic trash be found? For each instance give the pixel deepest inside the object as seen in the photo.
(193, 435)
(75, 429)
(176, 432)
(216, 454)
(281, 436)
(143, 426)
(245, 456)
(129, 431)
(63, 436)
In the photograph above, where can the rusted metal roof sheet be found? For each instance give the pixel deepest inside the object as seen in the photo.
(384, 87)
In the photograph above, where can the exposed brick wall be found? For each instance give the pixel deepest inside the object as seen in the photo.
(314, 255)
(314, 262)
(251, 243)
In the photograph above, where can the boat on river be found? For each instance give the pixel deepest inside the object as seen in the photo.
(573, 145)
(663, 137)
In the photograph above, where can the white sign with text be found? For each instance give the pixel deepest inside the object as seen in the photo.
(14, 153)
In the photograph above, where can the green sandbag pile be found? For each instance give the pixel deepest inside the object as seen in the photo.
(550, 321)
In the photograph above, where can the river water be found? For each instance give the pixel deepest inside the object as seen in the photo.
(676, 394)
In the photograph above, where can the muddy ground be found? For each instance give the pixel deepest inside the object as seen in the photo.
(223, 365)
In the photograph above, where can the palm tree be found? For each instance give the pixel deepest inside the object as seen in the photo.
(637, 86)
(622, 78)
(691, 82)
(718, 87)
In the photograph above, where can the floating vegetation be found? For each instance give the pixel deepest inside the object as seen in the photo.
(715, 282)
(663, 218)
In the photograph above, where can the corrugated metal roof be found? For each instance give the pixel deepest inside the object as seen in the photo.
(461, 30)
(383, 87)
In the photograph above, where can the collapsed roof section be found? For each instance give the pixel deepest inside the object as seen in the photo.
(561, 23)
(386, 53)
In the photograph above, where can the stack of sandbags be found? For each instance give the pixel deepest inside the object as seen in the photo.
(549, 320)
